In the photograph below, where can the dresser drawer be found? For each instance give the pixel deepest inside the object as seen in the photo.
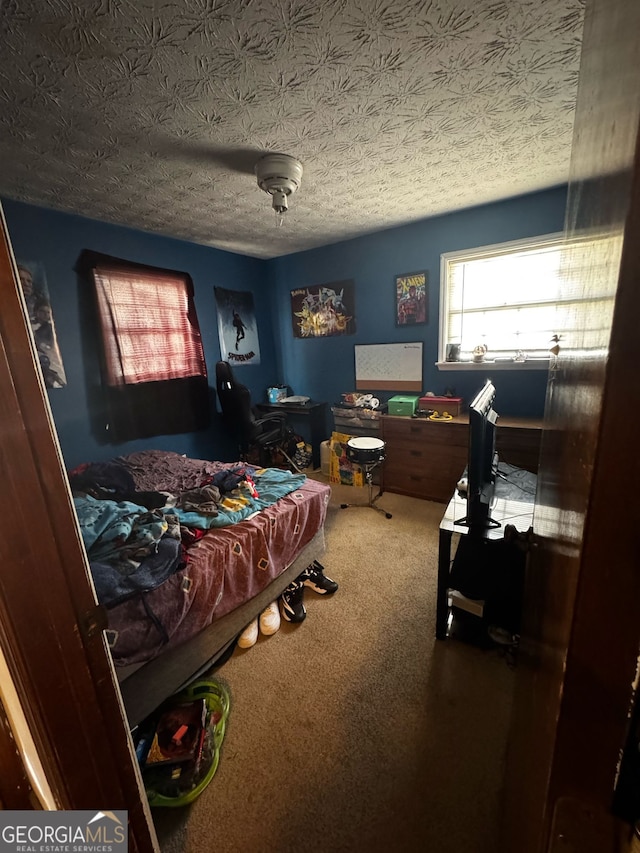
(438, 486)
(425, 457)
(434, 433)
(423, 473)
(402, 428)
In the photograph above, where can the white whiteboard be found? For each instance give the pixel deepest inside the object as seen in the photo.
(389, 367)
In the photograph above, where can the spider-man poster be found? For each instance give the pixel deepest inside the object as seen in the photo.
(237, 326)
(323, 310)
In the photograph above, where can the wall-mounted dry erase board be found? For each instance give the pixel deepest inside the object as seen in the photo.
(389, 367)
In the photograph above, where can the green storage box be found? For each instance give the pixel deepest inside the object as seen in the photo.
(180, 792)
(403, 404)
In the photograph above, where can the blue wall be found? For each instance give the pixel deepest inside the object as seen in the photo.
(57, 239)
(323, 368)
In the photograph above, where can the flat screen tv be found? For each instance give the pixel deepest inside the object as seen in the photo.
(482, 462)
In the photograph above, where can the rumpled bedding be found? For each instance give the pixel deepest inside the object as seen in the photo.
(118, 531)
(112, 481)
(113, 585)
(166, 471)
(166, 573)
(272, 484)
(130, 548)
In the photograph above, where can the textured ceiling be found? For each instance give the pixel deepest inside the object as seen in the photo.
(152, 114)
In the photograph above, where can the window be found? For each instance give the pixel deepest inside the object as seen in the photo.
(144, 332)
(149, 328)
(511, 298)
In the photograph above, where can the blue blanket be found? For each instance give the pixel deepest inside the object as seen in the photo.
(114, 586)
(127, 545)
(272, 484)
(109, 528)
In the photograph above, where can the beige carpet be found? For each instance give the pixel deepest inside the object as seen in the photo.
(356, 730)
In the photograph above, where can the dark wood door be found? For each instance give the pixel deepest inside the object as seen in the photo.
(49, 626)
(581, 634)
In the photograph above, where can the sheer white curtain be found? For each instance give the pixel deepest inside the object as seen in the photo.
(514, 298)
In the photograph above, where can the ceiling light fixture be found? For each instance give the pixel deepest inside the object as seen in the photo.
(280, 176)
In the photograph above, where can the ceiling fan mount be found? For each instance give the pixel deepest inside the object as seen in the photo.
(280, 176)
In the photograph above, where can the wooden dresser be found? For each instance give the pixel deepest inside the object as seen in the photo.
(425, 459)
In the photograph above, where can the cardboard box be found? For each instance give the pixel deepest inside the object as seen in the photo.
(341, 470)
(403, 404)
(452, 405)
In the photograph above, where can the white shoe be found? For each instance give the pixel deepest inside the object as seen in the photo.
(249, 635)
(270, 619)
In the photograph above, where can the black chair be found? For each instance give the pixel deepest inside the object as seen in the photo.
(264, 433)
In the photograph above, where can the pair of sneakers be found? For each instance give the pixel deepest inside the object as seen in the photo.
(267, 623)
(292, 598)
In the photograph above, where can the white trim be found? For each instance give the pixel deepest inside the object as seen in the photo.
(530, 364)
(461, 255)
(555, 239)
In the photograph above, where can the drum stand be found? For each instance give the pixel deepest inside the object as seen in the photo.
(368, 468)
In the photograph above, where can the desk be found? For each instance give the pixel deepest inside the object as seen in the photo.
(513, 503)
(315, 412)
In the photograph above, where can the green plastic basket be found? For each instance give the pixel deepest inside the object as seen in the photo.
(217, 701)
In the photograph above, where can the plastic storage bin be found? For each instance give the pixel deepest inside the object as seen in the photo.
(325, 454)
(357, 420)
(169, 792)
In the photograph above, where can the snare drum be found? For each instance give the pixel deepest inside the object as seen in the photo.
(364, 450)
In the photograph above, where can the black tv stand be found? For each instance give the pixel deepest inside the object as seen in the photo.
(513, 504)
(478, 528)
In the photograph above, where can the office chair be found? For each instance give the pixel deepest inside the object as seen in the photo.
(265, 433)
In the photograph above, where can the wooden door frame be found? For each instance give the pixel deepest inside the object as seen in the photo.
(576, 678)
(16, 791)
(50, 628)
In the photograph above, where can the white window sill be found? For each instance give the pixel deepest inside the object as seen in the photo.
(530, 364)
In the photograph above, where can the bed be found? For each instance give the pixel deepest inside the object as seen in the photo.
(184, 553)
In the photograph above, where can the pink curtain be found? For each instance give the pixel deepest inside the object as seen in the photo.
(149, 326)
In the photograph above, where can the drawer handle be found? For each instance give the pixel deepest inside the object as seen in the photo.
(413, 477)
(414, 429)
(415, 453)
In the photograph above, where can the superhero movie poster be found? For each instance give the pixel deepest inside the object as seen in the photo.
(237, 326)
(411, 299)
(323, 310)
(36, 295)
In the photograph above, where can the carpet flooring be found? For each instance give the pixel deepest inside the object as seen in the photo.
(356, 730)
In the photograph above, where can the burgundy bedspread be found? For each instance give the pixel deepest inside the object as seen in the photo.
(227, 567)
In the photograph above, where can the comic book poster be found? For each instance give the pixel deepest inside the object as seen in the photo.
(36, 294)
(324, 310)
(237, 326)
(411, 299)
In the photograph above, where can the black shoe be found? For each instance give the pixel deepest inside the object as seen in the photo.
(314, 577)
(292, 598)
